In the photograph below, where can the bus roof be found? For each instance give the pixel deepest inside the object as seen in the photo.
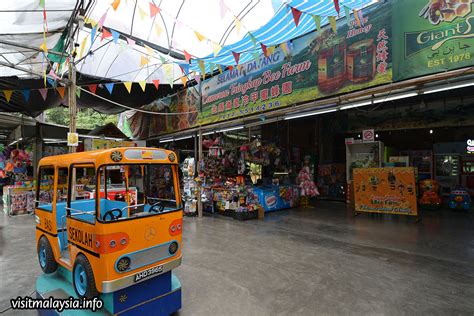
(121, 155)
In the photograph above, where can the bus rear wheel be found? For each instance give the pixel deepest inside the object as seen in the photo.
(45, 256)
(83, 278)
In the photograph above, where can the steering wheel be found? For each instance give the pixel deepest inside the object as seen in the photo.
(158, 205)
(111, 214)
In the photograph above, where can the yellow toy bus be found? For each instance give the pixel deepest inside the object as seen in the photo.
(112, 217)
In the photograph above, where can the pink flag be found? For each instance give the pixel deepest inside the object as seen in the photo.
(44, 93)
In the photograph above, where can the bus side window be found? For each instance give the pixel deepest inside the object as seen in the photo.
(45, 192)
(82, 198)
(62, 185)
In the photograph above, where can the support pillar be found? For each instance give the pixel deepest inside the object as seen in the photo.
(200, 158)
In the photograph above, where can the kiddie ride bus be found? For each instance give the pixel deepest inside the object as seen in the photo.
(119, 247)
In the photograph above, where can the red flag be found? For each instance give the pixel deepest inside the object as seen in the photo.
(336, 5)
(230, 68)
(105, 34)
(92, 87)
(264, 49)
(296, 15)
(154, 10)
(236, 57)
(156, 82)
(187, 56)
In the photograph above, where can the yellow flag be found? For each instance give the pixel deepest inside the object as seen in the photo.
(148, 50)
(128, 86)
(184, 80)
(270, 50)
(141, 12)
(83, 46)
(202, 67)
(8, 94)
(158, 29)
(238, 24)
(199, 36)
(332, 21)
(220, 68)
(43, 47)
(115, 4)
(143, 60)
(216, 48)
(142, 84)
(284, 48)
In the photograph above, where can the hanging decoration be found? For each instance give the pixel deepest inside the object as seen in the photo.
(92, 87)
(296, 15)
(332, 22)
(110, 87)
(115, 4)
(8, 94)
(156, 83)
(142, 85)
(26, 95)
(61, 91)
(128, 86)
(187, 56)
(336, 6)
(216, 48)
(236, 57)
(44, 93)
(154, 10)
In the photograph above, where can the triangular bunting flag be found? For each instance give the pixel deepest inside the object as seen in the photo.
(154, 10)
(285, 48)
(256, 56)
(197, 77)
(50, 81)
(128, 86)
(78, 92)
(105, 34)
(356, 18)
(252, 38)
(231, 67)
(110, 87)
(83, 46)
(26, 94)
(332, 22)
(102, 20)
(223, 8)
(130, 41)
(270, 50)
(41, 3)
(336, 6)
(115, 36)
(238, 24)
(236, 57)
(211, 67)
(199, 36)
(202, 67)
(184, 68)
(93, 33)
(148, 49)
(143, 60)
(142, 84)
(187, 56)
(220, 68)
(162, 59)
(61, 91)
(347, 13)
(115, 4)
(8, 94)
(141, 12)
(361, 17)
(156, 83)
(43, 47)
(184, 80)
(216, 48)
(158, 29)
(296, 15)
(317, 21)
(92, 87)
(44, 93)
(264, 49)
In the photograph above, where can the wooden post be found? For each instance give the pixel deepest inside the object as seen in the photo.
(72, 101)
(199, 202)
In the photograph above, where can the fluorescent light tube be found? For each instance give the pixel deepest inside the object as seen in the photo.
(448, 87)
(15, 141)
(356, 105)
(290, 117)
(231, 129)
(396, 97)
(184, 137)
(166, 140)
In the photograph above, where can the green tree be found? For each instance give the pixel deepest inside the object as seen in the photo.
(86, 118)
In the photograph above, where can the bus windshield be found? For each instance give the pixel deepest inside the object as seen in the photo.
(137, 190)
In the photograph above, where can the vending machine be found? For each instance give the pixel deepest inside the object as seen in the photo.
(467, 173)
(447, 163)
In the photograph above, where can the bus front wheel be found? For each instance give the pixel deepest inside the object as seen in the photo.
(83, 278)
(45, 256)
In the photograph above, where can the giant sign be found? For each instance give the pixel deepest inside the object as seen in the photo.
(432, 36)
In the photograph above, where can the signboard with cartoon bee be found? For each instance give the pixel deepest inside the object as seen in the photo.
(385, 190)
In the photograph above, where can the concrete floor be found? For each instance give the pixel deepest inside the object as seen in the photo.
(300, 262)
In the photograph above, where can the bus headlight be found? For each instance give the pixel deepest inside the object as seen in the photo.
(173, 248)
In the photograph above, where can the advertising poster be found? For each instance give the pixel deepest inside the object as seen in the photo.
(385, 190)
(319, 64)
(186, 102)
(433, 36)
